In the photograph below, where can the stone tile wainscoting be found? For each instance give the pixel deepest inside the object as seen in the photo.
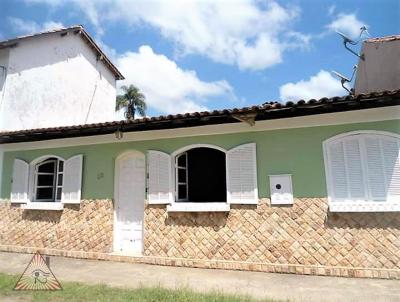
(304, 238)
(86, 227)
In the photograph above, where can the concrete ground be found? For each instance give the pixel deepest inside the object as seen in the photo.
(258, 285)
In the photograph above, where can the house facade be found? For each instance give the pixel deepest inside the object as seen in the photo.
(310, 188)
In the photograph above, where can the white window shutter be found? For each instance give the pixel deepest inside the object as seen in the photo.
(160, 169)
(375, 169)
(241, 167)
(354, 170)
(72, 180)
(20, 177)
(337, 169)
(391, 155)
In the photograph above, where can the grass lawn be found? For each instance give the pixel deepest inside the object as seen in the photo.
(81, 292)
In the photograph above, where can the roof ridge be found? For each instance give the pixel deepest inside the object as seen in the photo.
(85, 35)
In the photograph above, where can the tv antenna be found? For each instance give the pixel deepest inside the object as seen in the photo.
(344, 79)
(347, 40)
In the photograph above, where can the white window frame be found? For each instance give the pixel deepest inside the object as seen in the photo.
(33, 175)
(179, 206)
(177, 183)
(55, 186)
(39, 205)
(353, 205)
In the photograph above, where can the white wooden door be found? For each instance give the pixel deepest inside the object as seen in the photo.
(129, 205)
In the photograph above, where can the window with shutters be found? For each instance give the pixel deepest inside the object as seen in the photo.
(363, 171)
(203, 178)
(48, 180)
(200, 175)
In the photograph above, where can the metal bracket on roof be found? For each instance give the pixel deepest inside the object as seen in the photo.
(12, 45)
(248, 118)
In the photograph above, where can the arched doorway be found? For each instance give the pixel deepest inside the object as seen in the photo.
(129, 202)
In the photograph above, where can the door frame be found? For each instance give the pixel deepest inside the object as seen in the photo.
(126, 154)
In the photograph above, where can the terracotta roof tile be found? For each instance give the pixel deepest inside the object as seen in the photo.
(383, 39)
(268, 110)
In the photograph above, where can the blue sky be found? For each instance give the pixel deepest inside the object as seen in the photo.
(198, 55)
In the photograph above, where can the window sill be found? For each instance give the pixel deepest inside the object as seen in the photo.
(49, 206)
(198, 207)
(348, 206)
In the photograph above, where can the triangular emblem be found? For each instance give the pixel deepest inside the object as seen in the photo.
(37, 276)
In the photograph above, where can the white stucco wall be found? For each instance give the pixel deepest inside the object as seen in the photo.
(55, 81)
(380, 70)
(3, 70)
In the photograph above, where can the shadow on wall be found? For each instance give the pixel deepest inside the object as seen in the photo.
(47, 216)
(363, 220)
(216, 220)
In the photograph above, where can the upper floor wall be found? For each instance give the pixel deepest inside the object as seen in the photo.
(379, 70)
(54, 80)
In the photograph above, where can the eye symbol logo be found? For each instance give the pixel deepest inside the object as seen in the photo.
(37, 276)
(40, 276)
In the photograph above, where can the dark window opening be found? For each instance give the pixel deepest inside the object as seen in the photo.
(49, 180)
(201, 175)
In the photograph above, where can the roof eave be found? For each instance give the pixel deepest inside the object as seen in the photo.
(265, 112)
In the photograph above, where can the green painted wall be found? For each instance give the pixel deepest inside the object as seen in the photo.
(293, 151)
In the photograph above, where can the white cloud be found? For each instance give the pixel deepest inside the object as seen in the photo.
(348, 24)
(248, 33)
(323, 84)
(167, 87)
(22, 26)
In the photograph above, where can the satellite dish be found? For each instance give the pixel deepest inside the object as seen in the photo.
(344, 79)
(346, 39)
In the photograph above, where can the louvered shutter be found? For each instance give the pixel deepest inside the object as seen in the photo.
(391, 153)
(375, 169)
(242, 174)
(347, 177)
(160, 188)
(338, 177)
(356, 189)
(72, 180)
(20, 181)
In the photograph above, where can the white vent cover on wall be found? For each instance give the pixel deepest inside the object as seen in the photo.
(281, 189)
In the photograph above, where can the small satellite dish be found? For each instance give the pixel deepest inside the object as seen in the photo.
(344, 79)
(346, 39)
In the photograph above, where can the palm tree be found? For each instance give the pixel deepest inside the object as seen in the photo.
(133, 100)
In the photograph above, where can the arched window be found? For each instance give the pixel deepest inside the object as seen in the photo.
(203, 177)
(48, 180)
(200, 175)
(363, 171)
